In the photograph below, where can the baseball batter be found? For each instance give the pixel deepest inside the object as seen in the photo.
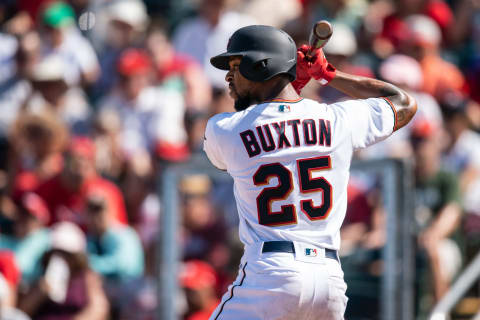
(290, 159)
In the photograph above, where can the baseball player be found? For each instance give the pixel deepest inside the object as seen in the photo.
(290, 159)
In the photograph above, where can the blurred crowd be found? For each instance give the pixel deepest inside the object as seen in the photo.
(99, 97)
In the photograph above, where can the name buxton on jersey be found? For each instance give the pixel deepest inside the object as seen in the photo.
(307, 132)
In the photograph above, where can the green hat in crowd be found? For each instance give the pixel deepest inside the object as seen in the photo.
(58, 15)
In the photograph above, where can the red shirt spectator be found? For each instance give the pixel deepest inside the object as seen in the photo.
(395, 28)
(199, 279)
(67, 204)
(66, 193)
(9, 269)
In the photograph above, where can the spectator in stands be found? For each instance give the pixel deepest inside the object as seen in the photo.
(340, 50)
(15, 87)
(37, 141)
(196, 122)
(465, 38)
(423, 44)
(198, 279)
(62, 38)
(462, 154)
(396, 29)
(31, 238)
(271, 12)
(178, 70)
(41, 84)
(109, 156)
(66, 193)
(7, 206)
(358, 219)
(150, 117)
(438, 210)
(336, 11)
(9, 280)
(143, 204)
(52, 92)
(9, 44)
(363, 239)
(126, 24)
(204, 36)
(68, 288)
(406, 73)
(203, 228)
(204, 232)
(462, 158)
(32, 8)
(114, 251)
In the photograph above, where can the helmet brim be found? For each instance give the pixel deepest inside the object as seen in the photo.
(221, 61)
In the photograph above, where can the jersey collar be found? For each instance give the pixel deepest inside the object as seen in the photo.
(284, 100)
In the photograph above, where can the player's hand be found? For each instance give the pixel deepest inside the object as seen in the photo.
(319, 68)
(302, 77)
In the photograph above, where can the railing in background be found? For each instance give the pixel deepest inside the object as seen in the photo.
(398, 200)
(397, 187)
(471, 274)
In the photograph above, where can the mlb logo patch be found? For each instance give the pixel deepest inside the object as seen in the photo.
(284, 108)
(310, 252)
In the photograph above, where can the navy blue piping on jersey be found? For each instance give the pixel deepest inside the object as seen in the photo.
(231, 293)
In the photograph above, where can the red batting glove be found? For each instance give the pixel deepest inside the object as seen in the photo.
(302, 77)
(319, 68)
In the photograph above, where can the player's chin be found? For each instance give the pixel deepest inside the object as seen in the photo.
(232, 93)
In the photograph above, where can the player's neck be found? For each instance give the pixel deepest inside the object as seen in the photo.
(279, 90)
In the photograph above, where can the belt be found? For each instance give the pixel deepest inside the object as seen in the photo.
(287, 246)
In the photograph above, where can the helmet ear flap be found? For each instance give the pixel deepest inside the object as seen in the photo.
(254, 70)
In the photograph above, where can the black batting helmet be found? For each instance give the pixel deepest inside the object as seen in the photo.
(266, 51)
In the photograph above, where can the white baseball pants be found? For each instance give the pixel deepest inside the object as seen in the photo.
(286, 286)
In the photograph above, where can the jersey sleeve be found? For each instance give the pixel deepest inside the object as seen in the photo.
(211, 147)
(370, 120)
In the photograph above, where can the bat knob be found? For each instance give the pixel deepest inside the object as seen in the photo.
(319, 36)
(323, 30)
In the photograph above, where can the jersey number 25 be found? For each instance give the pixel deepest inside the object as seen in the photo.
(287, 214)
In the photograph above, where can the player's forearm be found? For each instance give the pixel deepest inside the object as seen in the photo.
(362, 87)
(359, 87)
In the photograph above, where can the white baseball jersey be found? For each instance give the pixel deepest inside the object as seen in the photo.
(290, 164)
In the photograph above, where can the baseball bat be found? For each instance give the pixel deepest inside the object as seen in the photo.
(321, 32)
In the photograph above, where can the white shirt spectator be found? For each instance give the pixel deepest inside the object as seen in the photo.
(155, 116)
(13, 94)
(74, 111)
(76, 52)
(8, 48)
(466, 153)
(197, 38)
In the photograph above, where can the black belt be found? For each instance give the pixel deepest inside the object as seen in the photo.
(287, 246)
